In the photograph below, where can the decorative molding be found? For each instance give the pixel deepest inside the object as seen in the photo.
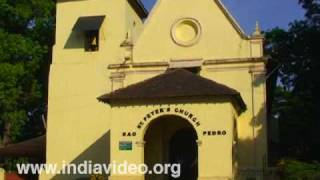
(205, 62)
(118, 66)
(191, 23)
(257, 34)
(221, 69)
(186, 63)
(117, 75)
(117, 80)
(257, 70)
(144, 72)
(151, 64)
(138, 65)
(235, 61)
(248, 68)
(186, 59)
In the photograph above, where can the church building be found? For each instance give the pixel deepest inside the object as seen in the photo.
(181, 83)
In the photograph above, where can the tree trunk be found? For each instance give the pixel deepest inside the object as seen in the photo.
(6, 134)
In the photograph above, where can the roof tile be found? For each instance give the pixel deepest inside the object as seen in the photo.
(173, 84)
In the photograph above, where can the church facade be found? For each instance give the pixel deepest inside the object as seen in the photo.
(182, 83)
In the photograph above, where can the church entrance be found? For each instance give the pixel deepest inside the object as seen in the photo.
(172, 140)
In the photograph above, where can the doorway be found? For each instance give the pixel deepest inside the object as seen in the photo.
(172, 140)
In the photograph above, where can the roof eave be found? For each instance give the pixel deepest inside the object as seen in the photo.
(139, 7)
(236, 100)
(232, 20)
(239, 104)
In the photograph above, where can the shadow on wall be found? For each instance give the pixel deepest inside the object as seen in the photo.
(75, 40)
(250, 147)
(98, 152)
(272, 130)
(259, 79)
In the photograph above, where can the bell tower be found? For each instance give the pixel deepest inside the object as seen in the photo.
(95, 27)
(89, 35)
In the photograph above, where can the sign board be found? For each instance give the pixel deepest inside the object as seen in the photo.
(125, 145)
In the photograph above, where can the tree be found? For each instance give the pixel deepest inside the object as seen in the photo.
(313, 9)
(297, 98)
(26, 35)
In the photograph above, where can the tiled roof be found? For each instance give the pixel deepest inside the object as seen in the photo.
(177, 83)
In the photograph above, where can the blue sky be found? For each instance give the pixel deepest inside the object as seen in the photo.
(269, 13)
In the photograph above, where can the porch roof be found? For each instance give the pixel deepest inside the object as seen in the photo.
(177, 83)
(35, 148)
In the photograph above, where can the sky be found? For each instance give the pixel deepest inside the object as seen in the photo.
(269, 13)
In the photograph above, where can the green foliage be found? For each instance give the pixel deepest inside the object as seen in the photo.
(26, 32)
(297, 99)
(296, 170)
(313, 9)
(11, 163)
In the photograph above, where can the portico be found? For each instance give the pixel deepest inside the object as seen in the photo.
(202, 124)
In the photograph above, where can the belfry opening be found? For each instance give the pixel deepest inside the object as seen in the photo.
(172, 140)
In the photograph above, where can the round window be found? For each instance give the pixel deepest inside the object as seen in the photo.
(186, 32)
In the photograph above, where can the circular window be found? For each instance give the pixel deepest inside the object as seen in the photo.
(186, 32)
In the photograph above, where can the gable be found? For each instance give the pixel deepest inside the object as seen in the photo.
(219, 34)
(139, 8)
